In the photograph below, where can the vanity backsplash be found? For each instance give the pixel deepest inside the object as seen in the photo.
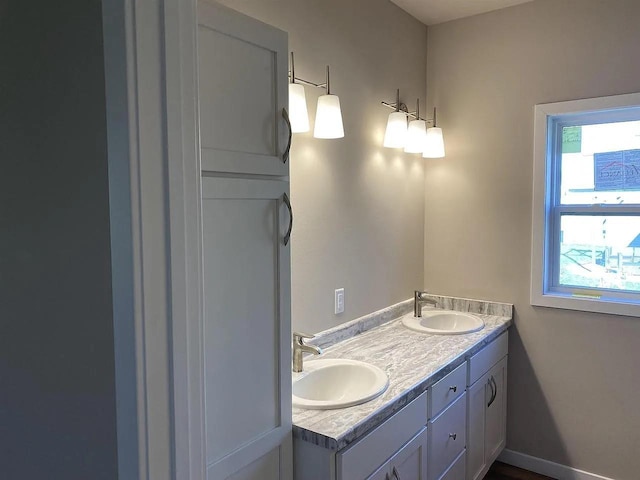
(360, 325)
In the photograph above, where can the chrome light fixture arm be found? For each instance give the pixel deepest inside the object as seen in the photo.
(398, 105)
(294, 79)
(415, 114)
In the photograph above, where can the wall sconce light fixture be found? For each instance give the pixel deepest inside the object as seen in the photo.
(416, 133)
(416, 138)
(395, 136)
(328, 122)
(328, 115)
(298, 114)
(434, 145)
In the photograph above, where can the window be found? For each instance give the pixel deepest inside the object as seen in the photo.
(586, 205)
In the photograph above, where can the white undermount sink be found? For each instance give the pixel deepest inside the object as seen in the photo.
(443, 322)
(337, 383)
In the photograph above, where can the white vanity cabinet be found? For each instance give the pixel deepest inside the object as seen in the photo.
(453, 431)
(487, 407)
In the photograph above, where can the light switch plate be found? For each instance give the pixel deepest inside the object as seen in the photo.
(339, 301)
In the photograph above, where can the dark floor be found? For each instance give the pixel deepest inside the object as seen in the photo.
(502, 471)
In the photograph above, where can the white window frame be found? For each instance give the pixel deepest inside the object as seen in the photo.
(547, 210)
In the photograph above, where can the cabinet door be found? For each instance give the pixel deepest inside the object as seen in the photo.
(411, 461)
(242, 83)
(246, 331)
(496, 413)
(487, 416)
(408, 463)
(478, 396)
(381, 474)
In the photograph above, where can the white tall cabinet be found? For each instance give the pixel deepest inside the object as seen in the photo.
(246, 223)
(199, 182)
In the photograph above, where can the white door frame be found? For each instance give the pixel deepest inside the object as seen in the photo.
(154, 188)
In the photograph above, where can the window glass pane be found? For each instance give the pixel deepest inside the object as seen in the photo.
(600, 251)
(600, 164)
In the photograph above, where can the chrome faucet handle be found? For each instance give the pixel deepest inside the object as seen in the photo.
(298, 336)
(420, 297)
(299, 347)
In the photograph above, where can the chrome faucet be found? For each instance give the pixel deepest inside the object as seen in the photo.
(299, 347)
(419, 299)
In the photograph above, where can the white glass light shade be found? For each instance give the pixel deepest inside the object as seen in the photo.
(416, 136)
(434, 145)
(298, 109)
(328, 118)
(395, 136)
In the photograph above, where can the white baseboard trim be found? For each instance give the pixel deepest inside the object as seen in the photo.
(545, 467)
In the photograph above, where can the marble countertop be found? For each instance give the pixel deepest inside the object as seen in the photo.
(412, 360)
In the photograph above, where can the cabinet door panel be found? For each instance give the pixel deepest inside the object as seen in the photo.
(366, 455)
(381, 474)
(487, 420)
(246, 323)
(414, 463)
(495, 435)
(242, 70)
(410, 462)
(478, 394)
(267, 466)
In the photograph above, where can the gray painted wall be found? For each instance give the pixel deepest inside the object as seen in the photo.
(359, 207)
(573, 377)
(57, 400)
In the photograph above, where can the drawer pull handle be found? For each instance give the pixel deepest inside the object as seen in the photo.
(396, 474)
(453, 435)
(454, 388)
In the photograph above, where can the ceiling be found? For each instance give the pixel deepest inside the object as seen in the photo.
(431, 12)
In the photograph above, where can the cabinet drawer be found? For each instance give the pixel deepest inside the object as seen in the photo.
(448, 436)
(448, 389)
(362, 458)
(457, 470)
(486, 358)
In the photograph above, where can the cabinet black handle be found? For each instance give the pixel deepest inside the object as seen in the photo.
(490, 396)
(396, 474)
(287, 235)
(285, 155)
(494, 390)
(495, 387)
(454, 388)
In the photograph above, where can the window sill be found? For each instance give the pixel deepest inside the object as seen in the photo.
(607, 305)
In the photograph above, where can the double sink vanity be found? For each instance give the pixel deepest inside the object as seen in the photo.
(395, 396)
